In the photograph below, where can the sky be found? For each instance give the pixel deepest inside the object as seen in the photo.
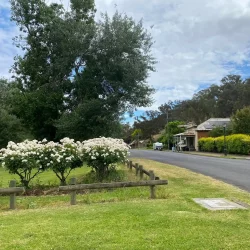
(197, 42)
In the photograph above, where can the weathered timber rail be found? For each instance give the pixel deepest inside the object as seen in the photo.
(112, 185)
(73, 187)
(12, 191)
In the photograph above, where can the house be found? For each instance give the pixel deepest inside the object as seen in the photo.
(188, 140)
(203, 129)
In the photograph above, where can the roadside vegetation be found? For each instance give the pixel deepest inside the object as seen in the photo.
(128, 219)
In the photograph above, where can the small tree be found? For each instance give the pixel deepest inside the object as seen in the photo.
(29, 158)
(62, 158)
(171, 129)
(102, 154)
(23, 159)
(241, 121)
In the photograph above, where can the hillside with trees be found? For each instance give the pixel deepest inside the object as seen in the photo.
(222, 100)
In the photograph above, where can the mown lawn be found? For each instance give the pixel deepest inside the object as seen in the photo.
(47, 178)
(128, 219)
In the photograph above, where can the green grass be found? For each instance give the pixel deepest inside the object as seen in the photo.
(128, 219)
(47, 178)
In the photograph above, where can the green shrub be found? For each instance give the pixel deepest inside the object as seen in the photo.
(236, 144)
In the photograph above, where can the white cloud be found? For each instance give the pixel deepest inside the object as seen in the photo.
(196, 42)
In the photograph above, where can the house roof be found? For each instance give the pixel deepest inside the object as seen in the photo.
(212, 123)
(185, 134)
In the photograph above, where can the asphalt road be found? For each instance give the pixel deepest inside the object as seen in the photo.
(232, 171)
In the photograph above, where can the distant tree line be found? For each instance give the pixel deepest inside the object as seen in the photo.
(230, 98)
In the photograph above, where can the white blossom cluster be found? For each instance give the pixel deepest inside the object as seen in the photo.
(105, 151)
(64, 154)
(24, 153)
(40, 154)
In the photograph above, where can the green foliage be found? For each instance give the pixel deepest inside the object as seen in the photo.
(115, 175)
(219, 131)
(11, 127)
(43, 73)
(137, 133)
(67, 57)
(241, 121)
(207, 144)
(89, 119)
(235, 144)
(171, 129)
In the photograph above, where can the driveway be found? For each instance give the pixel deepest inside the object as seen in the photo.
(232, 171)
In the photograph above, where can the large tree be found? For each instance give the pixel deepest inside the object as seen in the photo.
(55, 43)
(113, 80)
(77, 76)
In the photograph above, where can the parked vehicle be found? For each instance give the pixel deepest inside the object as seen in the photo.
(158, 146)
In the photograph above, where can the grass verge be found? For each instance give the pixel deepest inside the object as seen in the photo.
(128, 219)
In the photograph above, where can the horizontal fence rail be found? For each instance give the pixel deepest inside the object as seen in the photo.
(73, 187)
(112, 185)
(12, 191)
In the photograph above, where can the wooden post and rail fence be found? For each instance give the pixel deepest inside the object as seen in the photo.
(140, 171)
(12, 191)
(73, 187)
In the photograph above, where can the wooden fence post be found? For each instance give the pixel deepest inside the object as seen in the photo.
(136, 169)
(73, 193)
(141, 171)
(130, 165)
(12, 196)
(152, 188)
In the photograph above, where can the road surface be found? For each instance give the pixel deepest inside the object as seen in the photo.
(232, 171)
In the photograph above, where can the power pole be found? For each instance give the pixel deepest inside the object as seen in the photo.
(168, 130)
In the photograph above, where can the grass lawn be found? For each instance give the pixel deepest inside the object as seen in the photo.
(43, 179)
(128, 219)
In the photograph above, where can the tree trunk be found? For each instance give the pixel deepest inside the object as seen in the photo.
(25, 183)
(63, 181)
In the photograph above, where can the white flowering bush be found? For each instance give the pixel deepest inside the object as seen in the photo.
(62, 157)
(104, 153)
(23, 159)
(29, 158)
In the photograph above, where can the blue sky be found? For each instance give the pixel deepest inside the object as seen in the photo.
(197, 43)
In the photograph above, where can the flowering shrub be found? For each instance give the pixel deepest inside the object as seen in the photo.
(104, 153)
(23, 159)
(62, 157)
(29, 158)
